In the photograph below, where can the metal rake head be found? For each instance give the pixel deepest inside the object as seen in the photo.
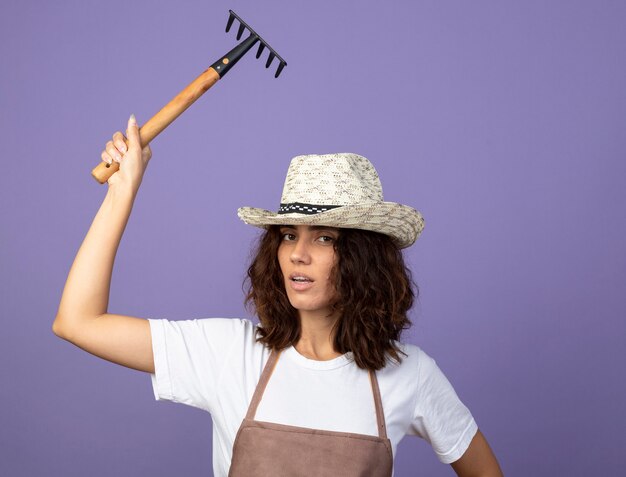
(254, 36)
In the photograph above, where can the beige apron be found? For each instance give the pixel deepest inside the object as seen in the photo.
(264, 449)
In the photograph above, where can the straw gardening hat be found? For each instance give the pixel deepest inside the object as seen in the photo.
(338, 190)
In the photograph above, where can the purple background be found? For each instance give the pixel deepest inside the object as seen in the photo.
(502, 122)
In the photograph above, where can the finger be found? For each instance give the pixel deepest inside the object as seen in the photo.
(106, 158)
(113, 152)
(133, 133)
(119, 142)
(147, 152)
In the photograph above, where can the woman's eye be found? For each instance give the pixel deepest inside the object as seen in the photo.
(326, 238)
(287, 236)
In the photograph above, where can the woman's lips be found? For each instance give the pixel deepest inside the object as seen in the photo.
(300, 282)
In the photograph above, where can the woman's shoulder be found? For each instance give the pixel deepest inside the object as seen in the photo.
(411, 352)
(219, 331)
(413, 360)
(220, 324)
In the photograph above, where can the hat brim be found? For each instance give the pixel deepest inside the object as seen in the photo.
(403, 223)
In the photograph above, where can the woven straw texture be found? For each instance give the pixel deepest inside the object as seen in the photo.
(347, 181)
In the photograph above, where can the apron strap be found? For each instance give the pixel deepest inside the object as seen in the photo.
(260, 388)
(269, 369)
(380, 414)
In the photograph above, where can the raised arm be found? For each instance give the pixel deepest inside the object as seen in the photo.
(82, 317)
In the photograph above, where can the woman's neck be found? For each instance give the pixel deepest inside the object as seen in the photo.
(316, 337)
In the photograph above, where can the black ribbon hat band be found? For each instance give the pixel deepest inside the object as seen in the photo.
(300, 208)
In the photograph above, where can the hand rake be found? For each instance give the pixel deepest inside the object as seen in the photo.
(157, 123)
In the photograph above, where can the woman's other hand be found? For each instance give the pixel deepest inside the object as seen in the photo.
(133, 160)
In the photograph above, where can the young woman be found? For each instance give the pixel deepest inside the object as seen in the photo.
(322, 386)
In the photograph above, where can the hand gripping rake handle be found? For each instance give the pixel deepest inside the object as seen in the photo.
(157, 123)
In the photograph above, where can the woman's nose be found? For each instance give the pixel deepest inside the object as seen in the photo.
(300, 252)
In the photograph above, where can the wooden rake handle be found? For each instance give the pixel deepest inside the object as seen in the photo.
(157, 123)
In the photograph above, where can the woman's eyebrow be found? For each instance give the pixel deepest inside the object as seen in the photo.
(323, 227)
(311, 227)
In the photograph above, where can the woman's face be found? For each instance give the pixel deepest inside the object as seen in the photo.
(306, 256)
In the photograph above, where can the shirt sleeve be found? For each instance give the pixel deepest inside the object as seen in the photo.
(439, 416)
(189, 356)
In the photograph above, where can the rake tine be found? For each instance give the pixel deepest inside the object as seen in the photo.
(261, 47)
(270, 59)
(231, 18)
(242, 27)
(280, 68)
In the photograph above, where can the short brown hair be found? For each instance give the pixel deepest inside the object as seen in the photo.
(375, 291)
